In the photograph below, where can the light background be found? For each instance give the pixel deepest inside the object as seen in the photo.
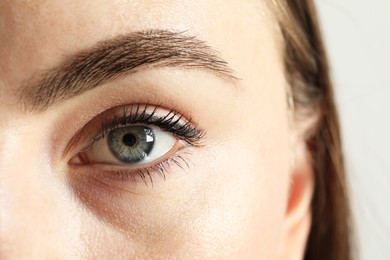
(357, 35)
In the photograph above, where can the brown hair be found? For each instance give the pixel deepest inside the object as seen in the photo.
(307, 73)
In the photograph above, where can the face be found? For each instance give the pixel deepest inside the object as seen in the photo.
(147, 129)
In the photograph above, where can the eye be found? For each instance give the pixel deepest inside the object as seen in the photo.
(133, 142)
(130, 145)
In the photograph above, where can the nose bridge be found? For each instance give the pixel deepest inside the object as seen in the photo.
(28, 214)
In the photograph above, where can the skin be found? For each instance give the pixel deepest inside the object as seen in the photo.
(247, 191)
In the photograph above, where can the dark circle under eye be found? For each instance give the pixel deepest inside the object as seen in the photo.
(131, 144)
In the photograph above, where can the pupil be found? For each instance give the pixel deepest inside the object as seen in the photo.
(129, 140)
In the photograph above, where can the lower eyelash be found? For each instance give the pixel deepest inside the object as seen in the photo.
(146, 174)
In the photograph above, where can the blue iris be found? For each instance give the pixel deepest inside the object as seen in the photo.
(131, 144)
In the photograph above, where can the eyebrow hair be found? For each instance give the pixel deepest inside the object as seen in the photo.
(120, 56)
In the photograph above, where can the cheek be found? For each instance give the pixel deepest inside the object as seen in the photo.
(247, 196)
(243, 206)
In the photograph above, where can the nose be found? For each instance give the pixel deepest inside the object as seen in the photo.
(33, 203)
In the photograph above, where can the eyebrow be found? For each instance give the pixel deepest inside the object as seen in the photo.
(117, 57)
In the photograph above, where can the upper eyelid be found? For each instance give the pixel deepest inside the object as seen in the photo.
(144, 117)
(89, 133)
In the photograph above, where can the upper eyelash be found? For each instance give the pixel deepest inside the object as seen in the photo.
(172, 122)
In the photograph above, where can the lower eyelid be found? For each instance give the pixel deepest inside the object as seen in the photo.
(126, 178)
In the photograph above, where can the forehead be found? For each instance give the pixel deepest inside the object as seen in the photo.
(37, 35)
